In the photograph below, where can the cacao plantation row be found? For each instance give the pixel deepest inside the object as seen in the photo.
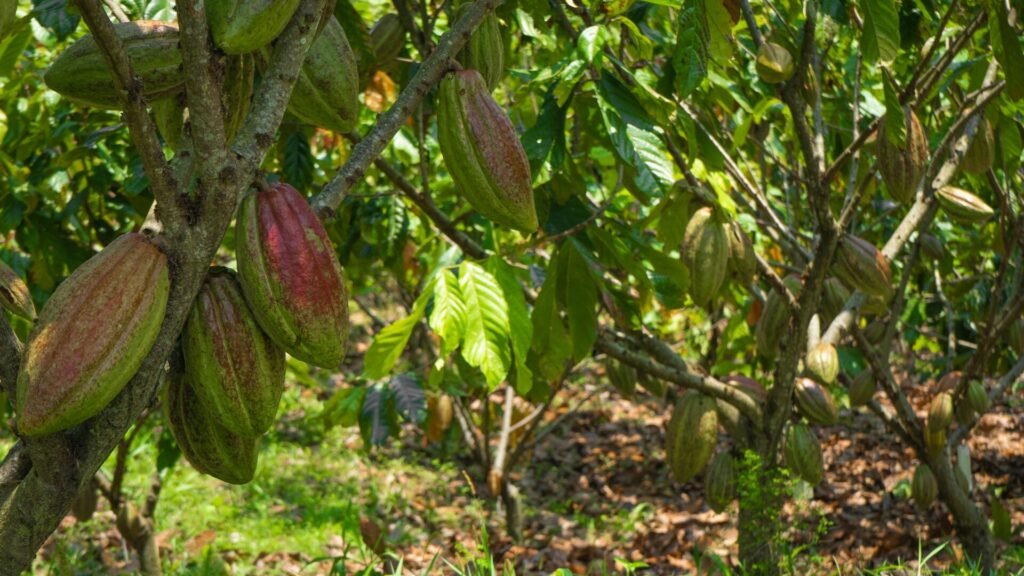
(763, 257)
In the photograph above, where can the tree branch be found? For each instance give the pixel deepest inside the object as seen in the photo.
(10, 357)
(202, 88)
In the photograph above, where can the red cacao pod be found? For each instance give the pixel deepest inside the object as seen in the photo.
(803, 453)
(242, 26)
(863, 267)
(326, 93)
(823, 362)
(705, 252)
(924, 488)
(14, 294)
(234, 367)
(982, 150)
(291, 277)
(483, 153)
(962, 206)
(815, 402)
(92, 336)
(903, 167)
(720, 481)
(691, 435)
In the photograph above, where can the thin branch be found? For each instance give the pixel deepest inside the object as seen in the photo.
(506, 432)
(117, 10)
(202, 86)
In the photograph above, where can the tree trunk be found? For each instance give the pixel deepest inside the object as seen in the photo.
(760, 529)
(970, 521)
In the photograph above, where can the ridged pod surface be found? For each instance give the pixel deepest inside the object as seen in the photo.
(705, 252)
(772, 322)
(962, 206)
(211, 448)
(863, 267)
(902, 168)
(440, 412)
(236, 98)
(242, 26)
(234, 367)
(862, 389)
(691, 435)
(924, 488)
(483, 153)
(326, 93)
(728, 415)
(485, 50)
(14, 294)
(977, 398)
(940, 412)
(92, 336)
(81, 73)
(982, 151)
(291, 277)
(932, 247)
(742, 260)
(169, 117)
(823, 362)
(815, 402)
(774, 63)
(803, 453)
(720, 481)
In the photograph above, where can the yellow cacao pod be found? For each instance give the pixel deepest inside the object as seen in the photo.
(691, 435)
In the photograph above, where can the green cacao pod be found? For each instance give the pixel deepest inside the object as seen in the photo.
(242, 26)
(875, 331)
(81, 73)
(85, 504)
(622, 376)
(774, 63)
(236, 369)
(691, 435)
(720, 481)
(706, 253)
(742, 260)
(940, 411)
(963, 412)
(772, 323)
(903, 167)
(326, 93)
(485, 50)
(211, 448)
(863, 267)
(862, 389)
(833, 300)
(728, 415)
(439, 416)
(935, 440)
(823, 362)
(982, 150)
(803, 453)
(236, 97)
(815, 402)
(482, 152)
(924, 488)
(14, 294)
(977, 398)
(169, 117)
(962, 206)
(932, 247)
(388, 39)
(92, 336)
(291, 277)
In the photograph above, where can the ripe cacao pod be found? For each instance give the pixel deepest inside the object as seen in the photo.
(439, 416)
(862, 389)
(940, 412)
(803, 453)
(691, 435)
(742, 261)
(291, 277)
(326, 93)
(242, 26)
(706, 253)
(81, 73)
(211, 448)
(92, 336)
(773, 321)
(720, 481)
(236, 369)
(924, 488)
(774, 63)
(977, 398)
(483, 153)
(863, 267)
(485, 50)
(962, 206)
(949, 381)
(14, 294)
(902, 168)
(823, 362)
(932, 247)
(833, 300)
(982, 150)
(815, 402)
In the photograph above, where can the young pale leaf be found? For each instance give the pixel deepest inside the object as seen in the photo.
(591, 42)
(881, 37)
(448, 318)
(518, 318)
(387, 346)
(485, 344)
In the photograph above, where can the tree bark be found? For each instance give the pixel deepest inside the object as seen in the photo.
(970, 521)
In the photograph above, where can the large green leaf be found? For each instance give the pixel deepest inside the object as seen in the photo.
(389, 343)
(881, 36)
(690, 57)
(580, 301)
(448, 317)
(1006, 46)
(551, 344)
(518, 319)
(486, 341)
(637, 141)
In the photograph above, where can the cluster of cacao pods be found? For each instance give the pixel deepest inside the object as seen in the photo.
(712, 250)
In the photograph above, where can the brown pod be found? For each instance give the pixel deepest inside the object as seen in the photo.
(863, 267)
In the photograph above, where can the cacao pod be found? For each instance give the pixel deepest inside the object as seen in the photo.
(720, 481)
(1015, 336)
(935, 440)
(242, 26)
(692, 432)
(949, 381)
(823, 362)
(977, 398)
(774, 318)
(236, 370)
(962, 206)
(485, 50)
(169, 117)
(86, 502)
(815, 402)
(863, 267)
(875, 331)
(387, 38)
(92, 336)
(706, 253)
(211, 448)
(833, 300)
(924, 488)
(902, 168)
(236, 96)
(439, 416)
(940, 412)
(14, 294)
(803, 453)
(483, 153)
(862, 389)
(982, 150)
(932, 248)
(291, 277)
(622, 376)
(742, 260)
(81, 73)
(749, 386)
(774, 63)
(728, 415)
(963, 412)
(326, 93)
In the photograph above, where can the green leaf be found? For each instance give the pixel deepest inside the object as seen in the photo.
(547, 135)
(580, 302)
(54, 14)
(881, 37)
(518, 318)
(637, 141)
(448, 318)
(690, 58)
(344, 407)
(486, 341)
(591, 42)
(719, 31)
(895, 118)
(389, 343)
(297, 160)
(1007, 48)
(551, 343)
(1001, 525)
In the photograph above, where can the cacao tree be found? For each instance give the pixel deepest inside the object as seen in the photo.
(760, 213)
